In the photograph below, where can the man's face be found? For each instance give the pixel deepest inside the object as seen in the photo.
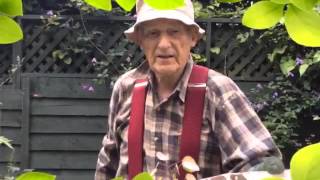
(166, 44)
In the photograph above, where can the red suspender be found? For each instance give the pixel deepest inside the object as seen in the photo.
(192, 120)
(136, 128)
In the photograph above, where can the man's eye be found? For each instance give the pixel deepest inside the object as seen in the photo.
(174, 31)
(152, 34)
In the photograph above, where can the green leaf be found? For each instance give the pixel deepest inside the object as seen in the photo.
(303, 27)
(316, 57)
(306, 5)
(59, 54)
(126, 4)
(143, 176)
(5, 141)
(100, 4)
(229, 1)
(36, 176)
(118, 178)
(11, 7)
(67, 60)
(215, 50)
(315, 117)
(287, 65)
(165, 4)
(278, 50)
(262, 15)
(305, 164)
(10, 31)
(280, 1)
(303, 68)
(243, 37)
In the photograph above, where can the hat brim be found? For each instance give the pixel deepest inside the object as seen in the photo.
(162, 14)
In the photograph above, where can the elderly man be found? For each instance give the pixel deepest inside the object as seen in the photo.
(168, 108)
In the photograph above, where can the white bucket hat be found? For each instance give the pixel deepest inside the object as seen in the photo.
(184, 14)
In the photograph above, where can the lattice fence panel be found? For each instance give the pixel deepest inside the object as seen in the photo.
(240, 61)
(5, 61)
(39, 45)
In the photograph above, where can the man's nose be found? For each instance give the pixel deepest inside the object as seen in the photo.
(164, 42)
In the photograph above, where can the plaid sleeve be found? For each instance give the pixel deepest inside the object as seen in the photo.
(108, 157)
(243, 138)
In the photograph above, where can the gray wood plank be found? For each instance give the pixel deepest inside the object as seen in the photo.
(13, 134)
(25, 141)
(3, 167)
(65, 142)
(10, 118)
(63, 160)
(68, 124)
(81, 174)
(9, 155)
(10, 99)
(69, 88)
(69, 107)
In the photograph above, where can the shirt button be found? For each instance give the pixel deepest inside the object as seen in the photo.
(156, 139)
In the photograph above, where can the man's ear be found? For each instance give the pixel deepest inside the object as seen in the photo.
(194, 36)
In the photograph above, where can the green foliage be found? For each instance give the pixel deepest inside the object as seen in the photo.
(300, 19)
(287, 64)
(305, 164)
(198, 58)
(303, 27)
(126, 4)
(10, 31)
(282, 105)
(262, 15)
(215, 50)
(129, 4)
(5, 141)
(100, 4)
(11, 8)
(143, 176)
(118, 178)
(229, 1)
(36, 176)
(165, 4)
(305, 5)
(218, 9)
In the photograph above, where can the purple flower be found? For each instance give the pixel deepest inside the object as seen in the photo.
(94, 61)
(50, 13)
(91, 89)
(299, 61)
(258, 107)
(275, 95)
(87, 87)
(290, 74)
(259, 86)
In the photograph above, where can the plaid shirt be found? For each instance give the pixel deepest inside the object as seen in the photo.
(232, 136)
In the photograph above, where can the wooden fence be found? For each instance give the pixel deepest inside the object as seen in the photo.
(56, 124)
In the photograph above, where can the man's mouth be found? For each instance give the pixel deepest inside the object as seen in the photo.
(165, 56)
